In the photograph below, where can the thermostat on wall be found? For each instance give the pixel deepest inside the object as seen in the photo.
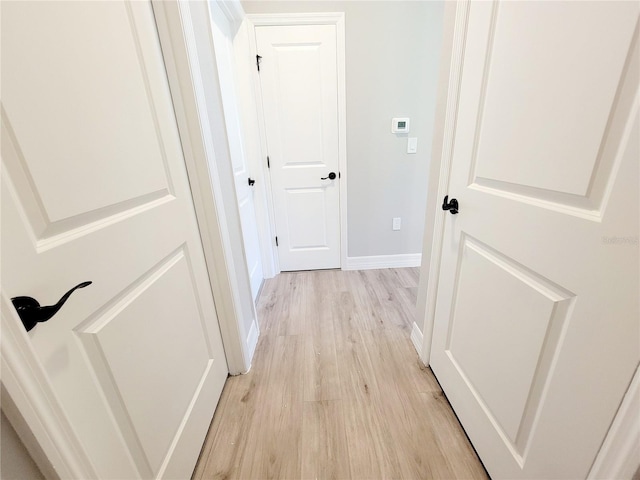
(399, 125)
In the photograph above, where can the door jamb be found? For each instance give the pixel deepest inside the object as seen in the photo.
(200, 150)
(323, 18)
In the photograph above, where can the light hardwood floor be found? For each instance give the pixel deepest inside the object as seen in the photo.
(336, 389)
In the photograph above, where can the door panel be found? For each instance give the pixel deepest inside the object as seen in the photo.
(518, 315)
(94, 187)
(554, 152)
(300, 103)
(537, 149)
(143, 317)
(39, 100)
(536, 333)
(307, 202)
(298, 76)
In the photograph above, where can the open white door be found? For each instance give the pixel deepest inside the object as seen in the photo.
(222, 40)
(299, 83)
(536, 333)
(94, 187)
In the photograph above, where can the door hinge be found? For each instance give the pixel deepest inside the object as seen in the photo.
(268, 162)
(339, 175)
(277, 241)
(258, 59)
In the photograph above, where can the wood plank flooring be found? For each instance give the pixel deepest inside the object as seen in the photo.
(336, 390)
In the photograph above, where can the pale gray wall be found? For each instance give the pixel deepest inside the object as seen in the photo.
(15, 461)
(392, 59)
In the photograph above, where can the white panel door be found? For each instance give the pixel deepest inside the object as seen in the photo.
(536, 333)
(222, 39)
(94, 187)
(298, 76)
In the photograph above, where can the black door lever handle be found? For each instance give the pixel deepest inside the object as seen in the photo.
(331, 176)
(452, 205)
(31, 313)
(251, 182)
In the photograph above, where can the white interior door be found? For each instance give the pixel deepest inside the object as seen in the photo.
(222, 39)
(536, 333)
(299, 81)
(94, 187)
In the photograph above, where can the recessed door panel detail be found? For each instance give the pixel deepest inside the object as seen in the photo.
(504, 329)
(161, 312)
(72, 174)
(300, 103)
(543, 149)
(309, 204)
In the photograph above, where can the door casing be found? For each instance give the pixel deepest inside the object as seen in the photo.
(207, 159)
(329, 18)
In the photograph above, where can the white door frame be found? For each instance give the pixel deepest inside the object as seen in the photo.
(35, 411)
(282, 19)
(203, 153)
(618, 453)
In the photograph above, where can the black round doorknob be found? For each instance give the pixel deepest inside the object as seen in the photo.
(331, 176)
(452, 205)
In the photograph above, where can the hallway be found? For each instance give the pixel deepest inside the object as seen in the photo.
(336, 389)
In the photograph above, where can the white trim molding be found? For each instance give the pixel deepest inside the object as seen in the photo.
(233, 10)
(278, 19)
(619, 456)
(252, 339)
(416, 337)
(324, 18)
(383, 261)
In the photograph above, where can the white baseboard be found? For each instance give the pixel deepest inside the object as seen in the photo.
(416, 338)
(383, 261)
(252, 340)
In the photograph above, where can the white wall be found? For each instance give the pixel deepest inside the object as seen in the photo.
(392, 58)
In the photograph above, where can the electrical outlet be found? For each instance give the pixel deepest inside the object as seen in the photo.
(397, 221)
